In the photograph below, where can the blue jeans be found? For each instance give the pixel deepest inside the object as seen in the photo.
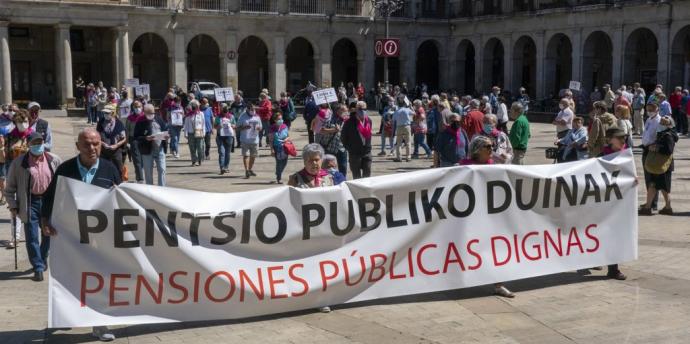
(91, 113)
(38, 253)
(174, 139)
(196, 148)
(419, 141)
(264, 131)
(341, 157)
(224, 146)
(280, 167)
(158, 156)
(383, 142)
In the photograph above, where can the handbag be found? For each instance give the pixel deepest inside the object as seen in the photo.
(289, 148)
(657, 163)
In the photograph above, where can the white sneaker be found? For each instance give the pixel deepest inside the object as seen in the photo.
(325, 309)
(102, 333)
(177, 155)
(503, 291)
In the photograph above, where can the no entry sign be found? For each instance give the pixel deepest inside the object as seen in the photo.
(389, 47)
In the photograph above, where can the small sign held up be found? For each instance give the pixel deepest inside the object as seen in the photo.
(131, 82)
(224, 94)
(574, 85)
(143, 90)
(325, 96)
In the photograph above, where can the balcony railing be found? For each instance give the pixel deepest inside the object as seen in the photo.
(348, 7)
(307, 6)
(259, 6)
(150, 3)
(208, 5)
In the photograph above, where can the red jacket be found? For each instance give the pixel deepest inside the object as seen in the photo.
(265, 110)
(473, 123)
(675, 100)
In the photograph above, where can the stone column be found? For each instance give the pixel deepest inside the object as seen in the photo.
(179, 61)
(408, 61)
(541, 61)
(323, 64)
(369, 63)
(123, 66)
(228, 67)
(478, 64)
(617, 57)
(507, 64)
(276, 65)
(444, 76)
(64, 64)
(577, 50)
(5, 71)
(662, 69)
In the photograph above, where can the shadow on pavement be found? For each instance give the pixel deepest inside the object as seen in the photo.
(14, 275)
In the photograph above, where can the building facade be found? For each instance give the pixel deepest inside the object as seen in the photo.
(466, 45)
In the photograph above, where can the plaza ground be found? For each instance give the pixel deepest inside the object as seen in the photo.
(652, 306)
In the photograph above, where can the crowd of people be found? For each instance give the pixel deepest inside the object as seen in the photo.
(452, 130)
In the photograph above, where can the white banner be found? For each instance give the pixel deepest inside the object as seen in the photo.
(325, 96)
(574, 85)
(144, 254)
(131, 82)
(143, 90)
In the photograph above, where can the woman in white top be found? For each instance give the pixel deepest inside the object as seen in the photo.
(502, 115)
(623, 122)
(564, 120)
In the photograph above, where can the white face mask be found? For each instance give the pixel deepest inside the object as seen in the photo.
(150, 117)
(22, 127)
(561, 106)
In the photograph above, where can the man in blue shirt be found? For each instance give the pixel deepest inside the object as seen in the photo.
(208, 123)
(402, 121)
(664, 106)
(311, 110)
(89, 168)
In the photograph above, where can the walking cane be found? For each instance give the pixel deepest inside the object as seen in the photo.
(14, 236)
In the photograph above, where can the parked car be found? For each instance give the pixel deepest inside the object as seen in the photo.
(206, 88)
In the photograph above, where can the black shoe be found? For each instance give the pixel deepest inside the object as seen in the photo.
(252, 173)
(38, 276)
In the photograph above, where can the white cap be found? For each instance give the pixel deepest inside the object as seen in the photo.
(32, 104)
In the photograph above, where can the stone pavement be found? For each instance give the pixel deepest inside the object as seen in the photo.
(652, 306)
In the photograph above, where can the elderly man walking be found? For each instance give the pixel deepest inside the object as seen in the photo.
(27, 181)
(90, 168)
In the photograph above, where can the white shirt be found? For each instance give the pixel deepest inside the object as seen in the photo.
(566, 115)
(649, 136)
(502, 113)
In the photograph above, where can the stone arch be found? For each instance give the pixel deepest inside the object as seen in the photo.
(427, 65)
(493, 64)
(344, 62)
(299, 64)
(252, 66)
(465, 67)
(597, 60)
(203, 59)
(641, 58)
(525, 65)
(680, 58)
(558, 65)
(150, 63)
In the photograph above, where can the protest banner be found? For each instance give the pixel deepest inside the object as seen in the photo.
(325, 96)
(574, 85)
(224, 94)
(145, 254)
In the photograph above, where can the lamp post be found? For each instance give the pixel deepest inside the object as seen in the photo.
(385, 8)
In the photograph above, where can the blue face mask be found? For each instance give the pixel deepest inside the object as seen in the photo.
(488, 128)
(37, 149)
(279, 122)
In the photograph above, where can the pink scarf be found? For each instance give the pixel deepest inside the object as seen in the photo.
(22, 135)
(364, 129)
(458, 133)
(317, 177)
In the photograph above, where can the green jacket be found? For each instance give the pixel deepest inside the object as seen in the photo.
(519, 133)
